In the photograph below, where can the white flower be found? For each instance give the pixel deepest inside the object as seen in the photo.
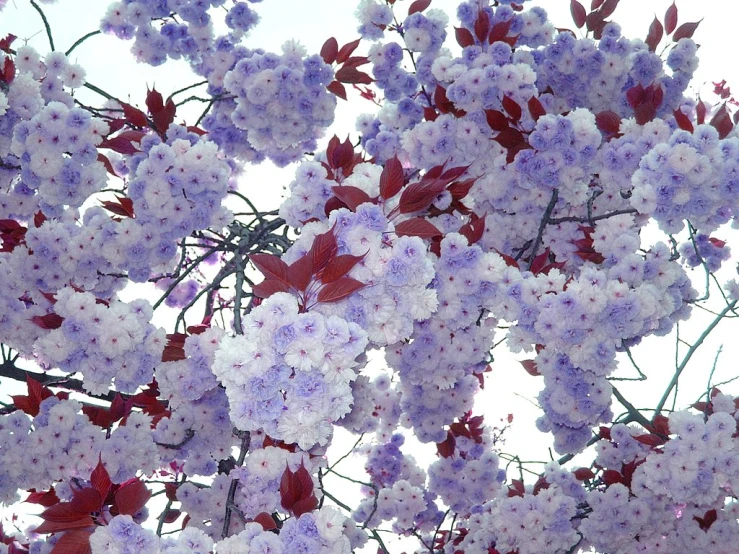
(330, 523)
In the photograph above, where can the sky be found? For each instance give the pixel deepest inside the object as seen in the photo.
(110, 66)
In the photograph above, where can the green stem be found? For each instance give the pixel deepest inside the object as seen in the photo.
(46, 24)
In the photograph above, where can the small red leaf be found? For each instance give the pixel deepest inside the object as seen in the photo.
(101, 480)
(655, 34)
(722, 122)
(418, 6)
(134, 115)
(346, 51)
(700, 112)
(351, 196)
(266, 521)
(154, 101)
(445, 449)
(300, 273)
(496, 119)
(530, 367)
(322, 251)
(595, 4)
(611, 476)
(661, 425)
(337, 89)
(671, 19)
(482, 25)
(608, 122)
(460, 189)
(271, 267)
(685, 30)
(578, 13)
(339, 289)
(265, 289)
(500, 32)
(417, 227)
(44, 498)
(131, 497)
(536, 108)
(683, 121)
(512, 108)
(391, 178)
(329, 50)
(650, 439)
(510, 138)
(339, 266)
(583, 474)
(419, 196)
(120, 145)
(86, 500)
(73, 542)
(48, 321)
(352, 76)
(171, 515)
(473, 230)
(108, 166)
(464, 37)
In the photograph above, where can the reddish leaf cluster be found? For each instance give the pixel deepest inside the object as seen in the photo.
(318, 276)
(296, 491)
(645, 101)
(123, 206)
(585, 250)
(485, 32)
(37, 393)
(12, 234)
(468, 426)
(347, 73)
(78, 518)
(596, 19)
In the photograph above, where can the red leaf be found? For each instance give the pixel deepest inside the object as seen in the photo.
(417, 227)
(595, 4)
(154, 101)
(661, 425)
(120, 145)
(536, 108)
(516, 488)
(266, 521)
(445, 449)
(608, 7)
(418, 6)
(685, 30)
(101, 480)
(650, 439)
(539, 262)
(73, 542)
(464, 37)
(63, 512)
(578, 13)
(134, 115)
(655, 34)
(500, 31)
(337, 89)
(271, 267)
(482, 25)
(683, 121)
(131, 497)
(57, 526)
(296, 491)
(611, 476)
(352, 76)
(700, 111)
(329, 50)
(473, 230)
(172, 515)
(339, 266)
(392, 178)
(300, 273)
(86, 500)
(671, 18)
(460, 189)
(342, 154)
(530, 367)
(44, 498)
(265, 289)
(419, 196)
(108, 166)
(322, 251)
(583, 474)
(510, 138)
(454, 173)
(496, 119)
(8, 72)
(196, 130)
(351, 196)
(512, 108)
(123, 207)
(6, 42)
(722, 122)
(48, 321)
(339, 289)
(346, 51)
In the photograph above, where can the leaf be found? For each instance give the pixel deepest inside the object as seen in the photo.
(346, 51)
(296, 491)
(496, 119)
(418, 6)
(154, 101)
(700, 112)
(123, 207)
(48, 321)
(650, 439)
(482, 25)
(578, 13)
(44, 498)
(271, 267)
(683, 121)
(57, 526)
(63, 512)
(608, 122)
(266, 521)
(73, 542)
(108, 166)
(351, 196)
(352, 76)
(530, 367)
(500, 31)
(583, 474)
(460, 189)
(322, 251)
(171, 515)
(265, 289)
(608, 7)
(685, 30)
(473, 229)
(419, 196)
(536, 108)
(595, 4)
(339, 289)
(512, 108)
(101, 480)
(671, 18)
(611, 476)
(340, 266)
(300, 272)
(392, 178)
(417, 227)
(445, 449)
(509, 138)
(131, 497)
(86, 500)
(722, 122)
(464, 37)
(337, 89)
(134, 115)
(8, 71)
(655, 34)
(120, 145)
(329, 50)
(6, 42)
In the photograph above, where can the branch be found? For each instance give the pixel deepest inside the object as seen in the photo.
(80, 41)
(46, 24)
(245, 443)
(544, 221)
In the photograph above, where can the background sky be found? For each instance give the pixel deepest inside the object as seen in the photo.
(509, 389)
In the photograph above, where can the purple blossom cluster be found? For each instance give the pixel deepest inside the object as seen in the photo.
(373, 17)
(103, 342)
(375, 408)
(123, 534)
(705, 250)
